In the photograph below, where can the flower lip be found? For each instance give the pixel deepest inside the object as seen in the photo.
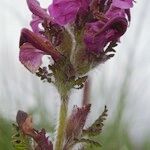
(34, 23)
(119, 24)
(31, 57)
(39, 42)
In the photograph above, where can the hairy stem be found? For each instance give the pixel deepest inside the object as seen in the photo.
(86, 93)
(62, 121)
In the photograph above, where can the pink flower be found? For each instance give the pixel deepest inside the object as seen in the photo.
(39, 15)
(65, 11)
(98, 34)
(123, 4)
(32, 49)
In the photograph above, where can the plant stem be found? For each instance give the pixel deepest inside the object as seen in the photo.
(86, 94)
(62, 121)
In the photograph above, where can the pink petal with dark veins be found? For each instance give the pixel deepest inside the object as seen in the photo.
(30, 57)
(40, 43)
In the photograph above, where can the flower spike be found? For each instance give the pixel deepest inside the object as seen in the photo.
(78, 35)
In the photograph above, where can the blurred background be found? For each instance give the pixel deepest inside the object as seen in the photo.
(122, 83)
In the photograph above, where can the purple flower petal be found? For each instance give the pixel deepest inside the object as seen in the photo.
(98, 34)
(65, 11)
(76, 123)
(115, 12)
(39, 15)
(30, 57)
(39, 42)
(42, 141)
(21, 117)
(123, 4)
(35, 24)
(93, 43)
(35, 8)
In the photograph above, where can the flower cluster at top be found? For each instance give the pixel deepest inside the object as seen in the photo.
(83, 32)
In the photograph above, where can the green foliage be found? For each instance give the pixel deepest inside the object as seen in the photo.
(89, 142)
(61, 73)
(94, 130)
(5, 134)
(96, 127)
(79, 82)
(19, 140)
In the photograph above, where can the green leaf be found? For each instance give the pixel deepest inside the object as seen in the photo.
(19, 140)
(96, 127)
(80, 82)
(88, 141)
